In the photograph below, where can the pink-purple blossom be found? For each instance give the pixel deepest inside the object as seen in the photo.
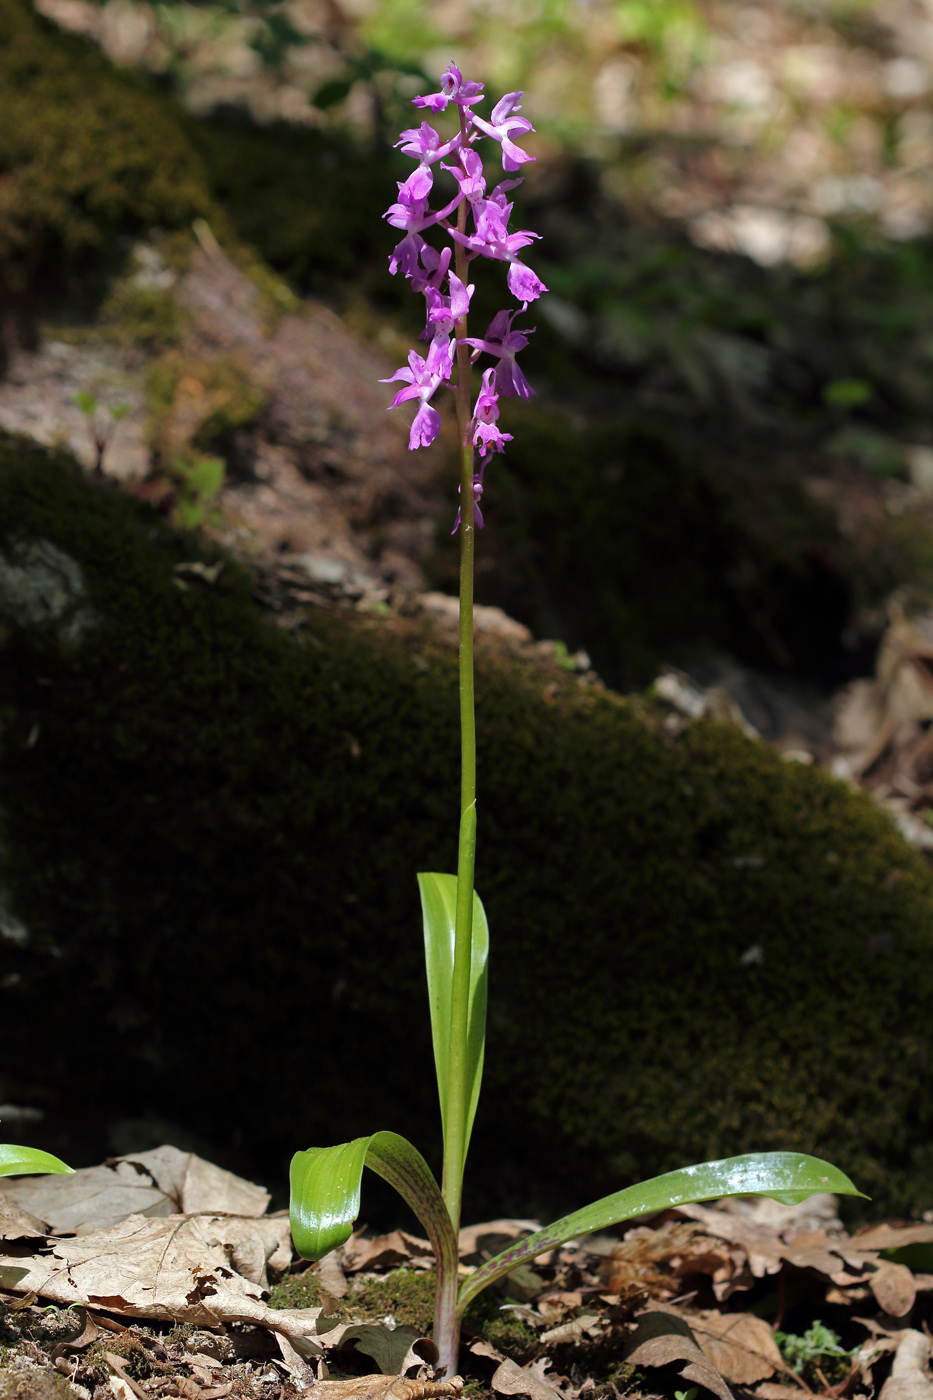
(483, 232)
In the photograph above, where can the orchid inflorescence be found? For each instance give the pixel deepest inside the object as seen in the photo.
(429, 270)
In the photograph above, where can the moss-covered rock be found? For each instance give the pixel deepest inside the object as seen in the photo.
(211, 830)
(87, 153)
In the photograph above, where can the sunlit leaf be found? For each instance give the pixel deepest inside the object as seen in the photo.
(439, 910)
(325, 1194)
(24, 1161)
(789, 1177)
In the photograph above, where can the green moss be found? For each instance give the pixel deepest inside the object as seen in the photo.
(87, 152)
(503, 1328)
(297, 1291)
(406, 1294)
(218, 826)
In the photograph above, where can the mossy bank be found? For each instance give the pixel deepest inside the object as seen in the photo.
(211, 833)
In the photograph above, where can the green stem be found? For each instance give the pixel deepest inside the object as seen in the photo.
(455, 1138)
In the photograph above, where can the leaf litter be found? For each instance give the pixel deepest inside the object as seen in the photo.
(159, 1274)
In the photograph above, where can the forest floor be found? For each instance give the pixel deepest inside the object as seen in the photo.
(161, 1275)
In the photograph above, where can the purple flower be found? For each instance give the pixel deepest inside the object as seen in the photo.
(469, 176)
(502, 125)
(453, 89)
(493, 240)
(524, 284)
(423, 144)
(435, 265)
(486, 435)
(412, 218)
(505, 343)
(444, 311)
(423, 377)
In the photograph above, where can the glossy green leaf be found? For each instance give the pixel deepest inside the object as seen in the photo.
(325, 1194)
(789, 1177)
(24, 1161)
(439, 910)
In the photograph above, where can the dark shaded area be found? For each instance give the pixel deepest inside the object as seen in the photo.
(212, 836)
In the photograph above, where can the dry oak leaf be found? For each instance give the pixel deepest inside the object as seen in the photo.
(387, 1388)
(174, 1268)
(164, 1181)
(511, 1379)
(663, 1337)
(383, 1251)
(18, 1224)
(894, 1288)
(910, 1375)
(740, 1346)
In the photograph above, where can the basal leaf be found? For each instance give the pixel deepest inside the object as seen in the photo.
(325, 1194)
(788, 1177)
(24, 1161)
(439, 908)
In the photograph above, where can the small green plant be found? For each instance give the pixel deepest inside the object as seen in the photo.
(325, 1181)
(101, 424)
(200, 480)
(816, 1344)
(690, 1394)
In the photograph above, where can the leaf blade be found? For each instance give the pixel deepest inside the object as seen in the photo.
(325, 1193)
(26, 1161)
(439, 914)
(789, 1177)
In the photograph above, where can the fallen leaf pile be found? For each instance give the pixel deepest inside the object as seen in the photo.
(150, 1276)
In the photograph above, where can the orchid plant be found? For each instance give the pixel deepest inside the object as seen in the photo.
(325, 1181)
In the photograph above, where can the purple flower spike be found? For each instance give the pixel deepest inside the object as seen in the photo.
(480, 226)
(453, 89)
(501, 127)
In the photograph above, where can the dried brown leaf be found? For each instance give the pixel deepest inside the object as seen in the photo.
(383, 1251)
(176, 1268)
(162, 1182)
(740, 1346)
(491, 1236)
(330, 1274)
(894, 1288)
(910, 1375)
(18, 1224)
(664, 1337)
(387, 1388)
(512, 1379)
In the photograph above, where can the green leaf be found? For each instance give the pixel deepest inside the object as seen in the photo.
(86, 402)
(789, 1177)
(325, 1194)
(439, 910)
(23, 1161)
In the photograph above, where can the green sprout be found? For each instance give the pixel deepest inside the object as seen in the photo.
(325, 1181)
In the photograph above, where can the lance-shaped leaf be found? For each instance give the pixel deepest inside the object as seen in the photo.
(439, 908)
(325, 1194)
(789, 1177)
(24, 1161)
